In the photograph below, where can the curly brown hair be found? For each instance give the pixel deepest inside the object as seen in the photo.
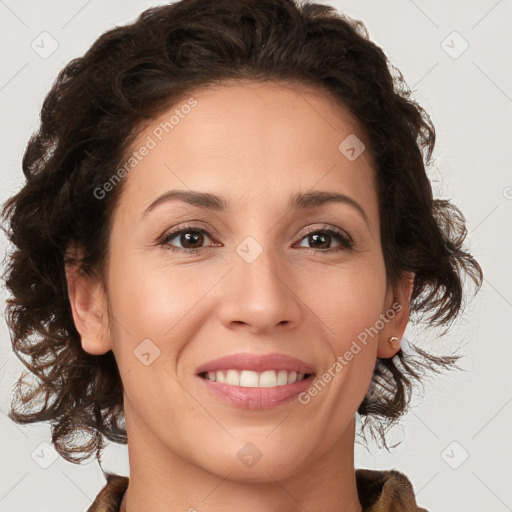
(94, 111)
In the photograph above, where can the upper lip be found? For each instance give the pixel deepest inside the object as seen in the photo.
(257, 363)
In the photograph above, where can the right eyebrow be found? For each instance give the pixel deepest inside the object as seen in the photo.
(199, 199)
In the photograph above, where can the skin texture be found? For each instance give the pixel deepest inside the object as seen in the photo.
(255, 145)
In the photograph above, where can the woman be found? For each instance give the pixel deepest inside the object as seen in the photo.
(226, 225)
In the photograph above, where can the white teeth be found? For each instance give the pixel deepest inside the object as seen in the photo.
(251, 379)
(248, 379)
(232, 378)
(268, 379)
(282, 377)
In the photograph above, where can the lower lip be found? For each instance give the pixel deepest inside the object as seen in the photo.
(257, 398)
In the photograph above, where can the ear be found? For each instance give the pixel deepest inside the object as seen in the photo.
(88, 304)
(395, 316)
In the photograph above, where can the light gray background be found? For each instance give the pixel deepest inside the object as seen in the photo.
(462, 414)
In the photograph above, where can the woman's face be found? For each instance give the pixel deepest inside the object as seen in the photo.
(260, 268)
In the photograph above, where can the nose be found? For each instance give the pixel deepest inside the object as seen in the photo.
(261, 296)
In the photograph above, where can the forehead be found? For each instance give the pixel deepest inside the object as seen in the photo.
(264, 141)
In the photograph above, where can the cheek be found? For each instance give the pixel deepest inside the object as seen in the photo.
(152, 300)
(351, 304)
(155, 314)
(348, 299)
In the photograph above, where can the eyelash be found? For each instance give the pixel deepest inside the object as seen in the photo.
(346, 243)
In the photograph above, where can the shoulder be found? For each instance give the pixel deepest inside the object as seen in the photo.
(110, 496)
(386, 490)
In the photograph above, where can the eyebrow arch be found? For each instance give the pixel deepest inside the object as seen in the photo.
(299, 201)
(308, 200)
(199, 199)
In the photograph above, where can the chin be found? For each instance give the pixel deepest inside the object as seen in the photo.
(249, 464)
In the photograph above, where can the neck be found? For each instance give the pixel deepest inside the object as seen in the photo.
(161, 481)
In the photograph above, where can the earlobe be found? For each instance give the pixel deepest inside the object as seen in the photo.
(88, 306)
(397, 313)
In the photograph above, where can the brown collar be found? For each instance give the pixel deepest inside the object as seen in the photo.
(385, 491)
(378, 491)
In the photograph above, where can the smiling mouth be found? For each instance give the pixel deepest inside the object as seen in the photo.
(252, 379)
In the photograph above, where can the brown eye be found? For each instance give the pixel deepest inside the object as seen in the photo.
(186, 240)
(191, 239)
(321, 240)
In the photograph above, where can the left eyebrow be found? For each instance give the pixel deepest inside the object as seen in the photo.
(299, 201)
(308, 200)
